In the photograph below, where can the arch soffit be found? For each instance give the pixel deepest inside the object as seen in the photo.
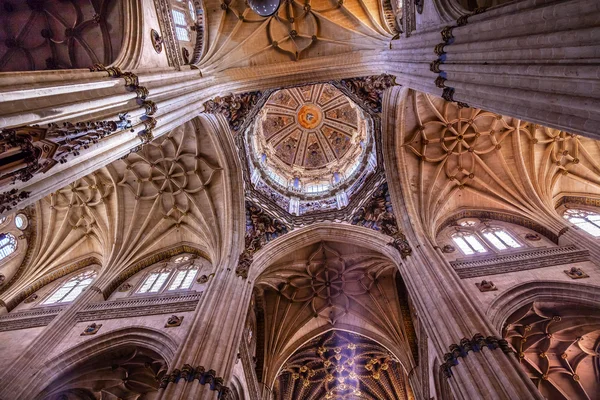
(223, 140)
(502, 216)
(290, 350)
(513, 299)
(59, 273)
(321, 231)
(156, 257)
(139, 336)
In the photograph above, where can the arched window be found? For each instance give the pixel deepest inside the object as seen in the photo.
(175, 277)
(181, 27)
(72, 288)
(468, 243)
(501, 239)
(8, 244)
(589, 221)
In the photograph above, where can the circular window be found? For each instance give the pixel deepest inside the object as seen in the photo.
(21, 221)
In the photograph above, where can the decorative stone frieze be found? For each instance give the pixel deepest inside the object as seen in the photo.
(521, 261)
(476, 344)
(234, 107)
(187, 373)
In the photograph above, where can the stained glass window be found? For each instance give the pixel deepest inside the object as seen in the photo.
(180, 26)
(468, 243)
(155, 281)
(501, 239)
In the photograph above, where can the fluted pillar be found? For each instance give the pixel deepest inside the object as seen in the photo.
(536, 60)
(205, 361)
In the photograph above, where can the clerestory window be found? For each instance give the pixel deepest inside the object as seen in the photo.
(169, 278)
(181, 27)
(71, 289)
(589, 221)
(8, 244)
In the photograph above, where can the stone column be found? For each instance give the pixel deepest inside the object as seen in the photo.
(20, 380)
(204, 362)
(536, 60)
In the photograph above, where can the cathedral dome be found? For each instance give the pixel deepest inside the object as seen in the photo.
(310, 140)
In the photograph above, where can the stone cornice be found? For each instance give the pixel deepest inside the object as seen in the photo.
(122, 308)
(521, 261)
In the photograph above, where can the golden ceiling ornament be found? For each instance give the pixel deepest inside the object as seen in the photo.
(347, 377)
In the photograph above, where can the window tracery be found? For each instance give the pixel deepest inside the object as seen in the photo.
(176, 275)
(587, 220)
(71, 289)
(8, 245)
(480, 237)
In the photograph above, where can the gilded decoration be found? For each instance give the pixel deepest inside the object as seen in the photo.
(341, 365)
(234, 107)
(557, 346)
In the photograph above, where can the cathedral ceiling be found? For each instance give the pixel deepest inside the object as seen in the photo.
(39, 35)
(464, 158)
(340, 365)
(238, 37)
(172, 191)
(559, 347)
(331, 285)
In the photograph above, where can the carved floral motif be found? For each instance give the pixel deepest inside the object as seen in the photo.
(369, 89)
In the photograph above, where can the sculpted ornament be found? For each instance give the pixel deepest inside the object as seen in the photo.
(174, 321)
(91, 329)
(29, 150)
(378, 214)
(260, 229)
(369, 90)
(234, 107)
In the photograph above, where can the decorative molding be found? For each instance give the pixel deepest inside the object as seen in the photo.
(234, 107)
(586, 201)
(189, 374)
(138, 307)
(29, 318)
(521, 261)
(167, 27)
(476, 344)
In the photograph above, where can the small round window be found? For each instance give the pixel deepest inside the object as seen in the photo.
(21, 221)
